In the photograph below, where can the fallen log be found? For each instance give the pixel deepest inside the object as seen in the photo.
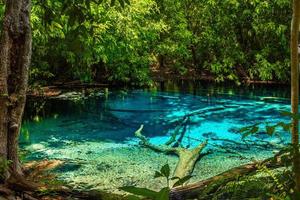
(187, 157)
(211, 185)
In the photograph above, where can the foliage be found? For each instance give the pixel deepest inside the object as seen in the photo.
(95, 41)
(270, 129)
(163, 194)
(4, 164)
(265, 184)
(87, 39)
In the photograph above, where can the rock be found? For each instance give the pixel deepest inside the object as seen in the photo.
(36, 147)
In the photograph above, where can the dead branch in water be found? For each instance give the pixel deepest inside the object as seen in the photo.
(187, 157)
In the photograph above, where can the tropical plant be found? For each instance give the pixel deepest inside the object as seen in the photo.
(163, 194)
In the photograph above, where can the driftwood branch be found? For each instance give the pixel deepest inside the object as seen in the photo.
(146, 143)
(187, 157)
(177, 132)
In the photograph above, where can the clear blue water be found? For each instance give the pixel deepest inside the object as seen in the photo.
(95, 136)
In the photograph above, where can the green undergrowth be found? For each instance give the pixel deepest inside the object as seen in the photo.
(265, 184)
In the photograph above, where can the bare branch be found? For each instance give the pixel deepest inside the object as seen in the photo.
(145, 142)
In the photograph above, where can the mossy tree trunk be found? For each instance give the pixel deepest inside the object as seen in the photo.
(15, 55)
(295, 90)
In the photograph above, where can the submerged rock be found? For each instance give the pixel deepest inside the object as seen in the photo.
(103, 166)
(36, 147)
(68, 167)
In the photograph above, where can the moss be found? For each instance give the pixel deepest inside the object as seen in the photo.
(262, 185)
(4, 164)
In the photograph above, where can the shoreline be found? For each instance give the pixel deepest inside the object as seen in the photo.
(58, 88)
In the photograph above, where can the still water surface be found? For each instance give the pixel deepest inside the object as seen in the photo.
(94, 136)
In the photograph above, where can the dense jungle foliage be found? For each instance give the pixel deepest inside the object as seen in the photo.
(228, 39)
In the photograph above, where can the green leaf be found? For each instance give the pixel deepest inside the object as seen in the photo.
(127, 2)
(165, 170)
(254, 129)
(122, 3)
(163, 194)
(87, 3)
(131, 197)
(270, 129)
(174, 178)
(158, 174)
(182, 180)
(285, 126)
(241, 130)
(140, 191)
(289, 114)
(112, 3)
(285, 113)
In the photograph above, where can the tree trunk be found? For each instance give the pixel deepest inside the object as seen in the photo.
(15, 55)
(295, 90)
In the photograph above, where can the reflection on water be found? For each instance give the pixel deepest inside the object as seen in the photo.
(95, 136)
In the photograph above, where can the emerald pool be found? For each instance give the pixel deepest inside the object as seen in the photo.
(94, 135)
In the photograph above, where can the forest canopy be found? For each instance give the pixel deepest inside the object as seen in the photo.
(228, 39)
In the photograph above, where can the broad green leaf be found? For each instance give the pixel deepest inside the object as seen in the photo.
(285, 113)
(254, 129)
(131, 197)
(122, 3)
(127, 2)
(157, 174)
(241, 130)
(270, 129)
(285, 126)
(163, 194)
(112, 3)
(140, 191)
(174, 178)
(182, 180)
(165, 170)
(289, 114)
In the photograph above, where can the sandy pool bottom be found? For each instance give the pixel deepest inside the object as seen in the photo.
(108, 166)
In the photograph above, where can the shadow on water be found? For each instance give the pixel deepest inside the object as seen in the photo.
(117, 117)
(93, 134)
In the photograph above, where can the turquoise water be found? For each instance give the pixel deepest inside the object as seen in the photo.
(94, 136)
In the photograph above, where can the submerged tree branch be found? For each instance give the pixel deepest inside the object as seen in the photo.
(187, 157)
